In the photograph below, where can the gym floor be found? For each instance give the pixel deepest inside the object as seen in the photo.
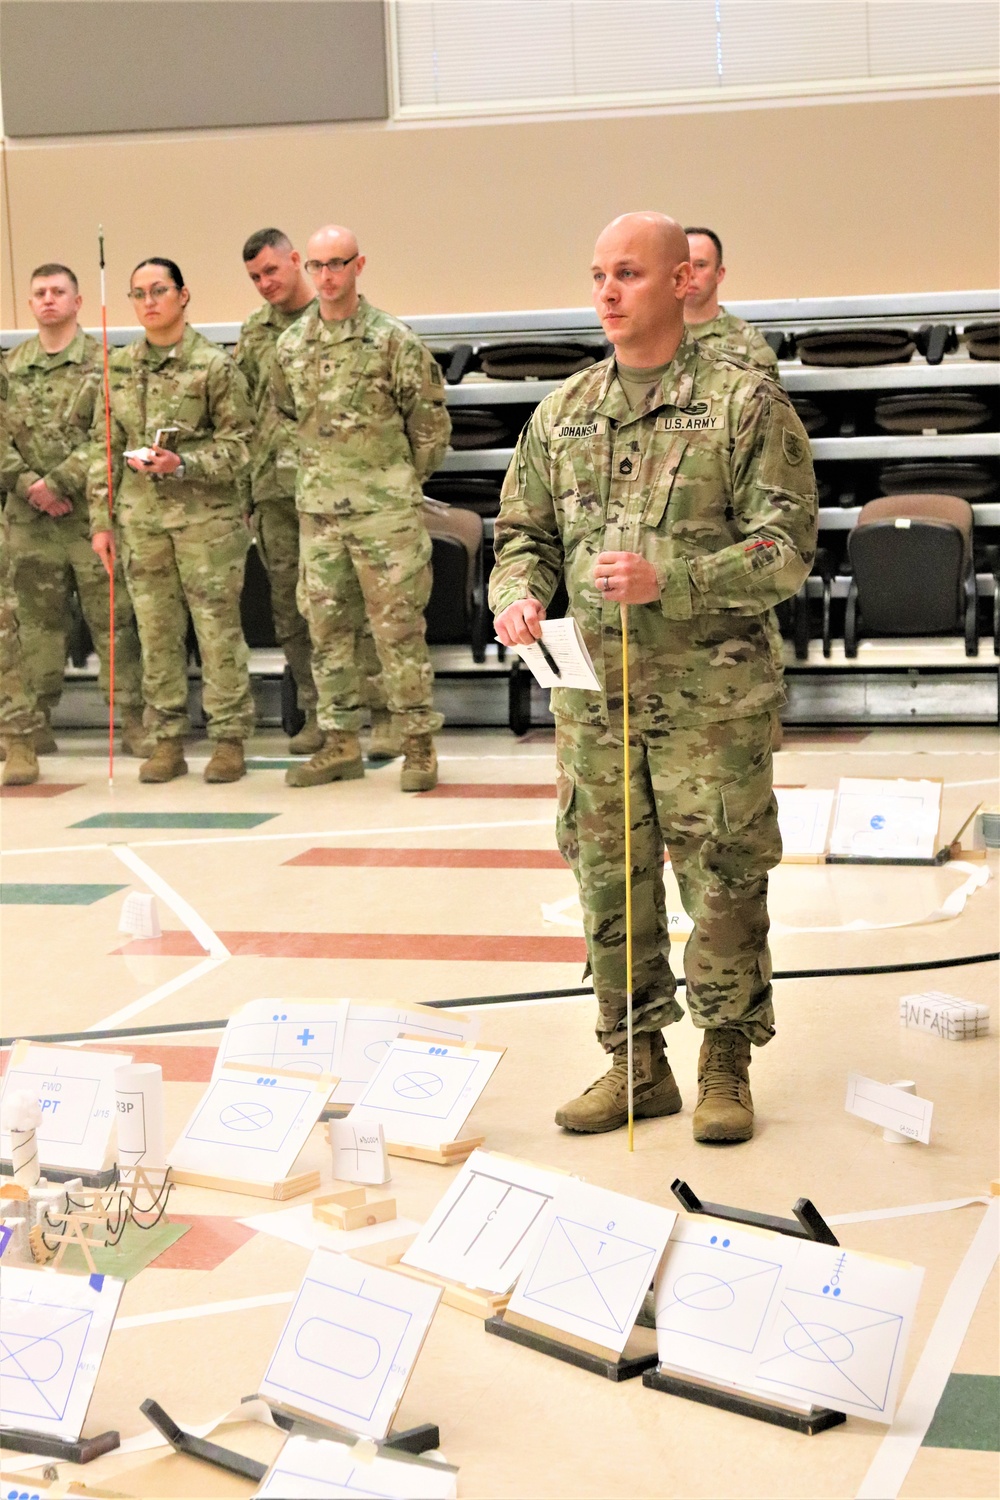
(358, 891)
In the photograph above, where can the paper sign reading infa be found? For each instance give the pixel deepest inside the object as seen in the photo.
(76, 1090)
(944, 1015)
(889, 1106)
(562, 658)
(886, 819)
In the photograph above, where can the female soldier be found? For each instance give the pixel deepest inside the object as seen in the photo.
(177, 512)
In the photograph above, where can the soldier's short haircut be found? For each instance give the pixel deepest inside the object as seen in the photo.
(265, 239)
(171, 267)
(711, 234)
(53, 268)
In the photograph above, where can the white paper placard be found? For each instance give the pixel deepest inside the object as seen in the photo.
(593, 1259)
(54, 1329)
(944, 1015)
(565, 660)
(250, 1126)
(76, 1089)
(314, 1468)
(358, 1150)
(482, 1230)
(839, 1335)
(296, 1226)
(803, 820)
(370, 1029)
(717, 1292)
(351, 1340)
(139, 1116)
(886, 819)
(891, 1107)
(305, 1035)
(423, 1094)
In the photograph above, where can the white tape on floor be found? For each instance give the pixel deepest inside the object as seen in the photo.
(898, 1448)
(203, 1310)
(197, 926)
(145, 1002)
(909, 1210)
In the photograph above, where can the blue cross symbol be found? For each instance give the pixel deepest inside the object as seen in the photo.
(305, 1037)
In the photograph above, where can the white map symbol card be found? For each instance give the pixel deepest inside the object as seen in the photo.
(481, 1232)
(314, 1468)
(250, 1125)
(54, 1329)
(877, 819)
(717, 1292)
(76, 1089)
(350, 1343)
(593, 1259)
(422, 1093)
(371, 1028)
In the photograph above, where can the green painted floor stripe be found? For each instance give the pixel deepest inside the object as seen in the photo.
(174, 820)
(968, 1414)
(55, 895)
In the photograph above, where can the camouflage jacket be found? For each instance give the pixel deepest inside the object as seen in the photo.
(51, 403)
(728, 334)
(367, 398)
(272, 449)
(195, 387)
(712, 482)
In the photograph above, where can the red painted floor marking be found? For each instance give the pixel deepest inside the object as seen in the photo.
(179, 1064)
(211, 1239)
(429, 947)
(511, 789)
(41, 789)
(416, 859)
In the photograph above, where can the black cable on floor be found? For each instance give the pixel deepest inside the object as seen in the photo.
(576, 991)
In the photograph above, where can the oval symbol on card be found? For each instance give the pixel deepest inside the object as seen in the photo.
(703, 1292)
(342, 1351)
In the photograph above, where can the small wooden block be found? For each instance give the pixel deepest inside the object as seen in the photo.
(288, 1187)
(449, 1154)
(353, 1209)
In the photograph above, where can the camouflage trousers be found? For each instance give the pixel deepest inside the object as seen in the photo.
(19, 714)
(704, 794)
(389, 557)
(198, 567)
(48, 555)
(276, 532)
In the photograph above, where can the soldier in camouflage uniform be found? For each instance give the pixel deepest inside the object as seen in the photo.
(183, 535)
(710, 323)
(676, 482)
(54, 381)
(20, 717)
(275, 269)
(368, 401)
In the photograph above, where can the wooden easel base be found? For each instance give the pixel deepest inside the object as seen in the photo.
(83, 1451)
(692, 1389)
(466, 1298)
(623, 1368)
(288, 1187)
(421, 1439)
(451, 1154)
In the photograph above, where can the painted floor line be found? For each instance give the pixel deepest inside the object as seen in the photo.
(146, 1002)
(203, 1310)
(909, 1210)
(269, 838)
(195, 924)
(897, 1450)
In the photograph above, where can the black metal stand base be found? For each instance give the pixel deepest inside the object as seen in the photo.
(83, 1451)
(104, 1179)
(808, 1423)
(611, 1369)
(196, 1447)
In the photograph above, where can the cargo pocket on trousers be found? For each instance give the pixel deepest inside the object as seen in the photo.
(566, 836)
(746, 800)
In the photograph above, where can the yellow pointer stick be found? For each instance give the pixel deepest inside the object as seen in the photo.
(628, 869)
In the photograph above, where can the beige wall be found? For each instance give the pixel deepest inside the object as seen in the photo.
(826, 200)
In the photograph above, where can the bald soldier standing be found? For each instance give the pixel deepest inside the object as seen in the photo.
(367, 398)
(275, 268)
(677, 482)
(710, 323)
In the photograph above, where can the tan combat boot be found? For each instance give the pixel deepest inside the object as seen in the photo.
(309, 738)
(604, 1105)
(339, 760)
(384, 741)
(227, 763)
(420, 768)
(20, 761)
(725, 1109)
(134, 740)
(45, 740)
(166, 762)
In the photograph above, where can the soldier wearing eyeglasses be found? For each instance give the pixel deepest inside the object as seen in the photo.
(367, 400)
(54, 379)
(178, 509)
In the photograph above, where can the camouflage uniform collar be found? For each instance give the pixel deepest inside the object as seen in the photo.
(675, 387)
(719, 324)
(156, 355)
(73, 354)
(339, 333)
(275, 318)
